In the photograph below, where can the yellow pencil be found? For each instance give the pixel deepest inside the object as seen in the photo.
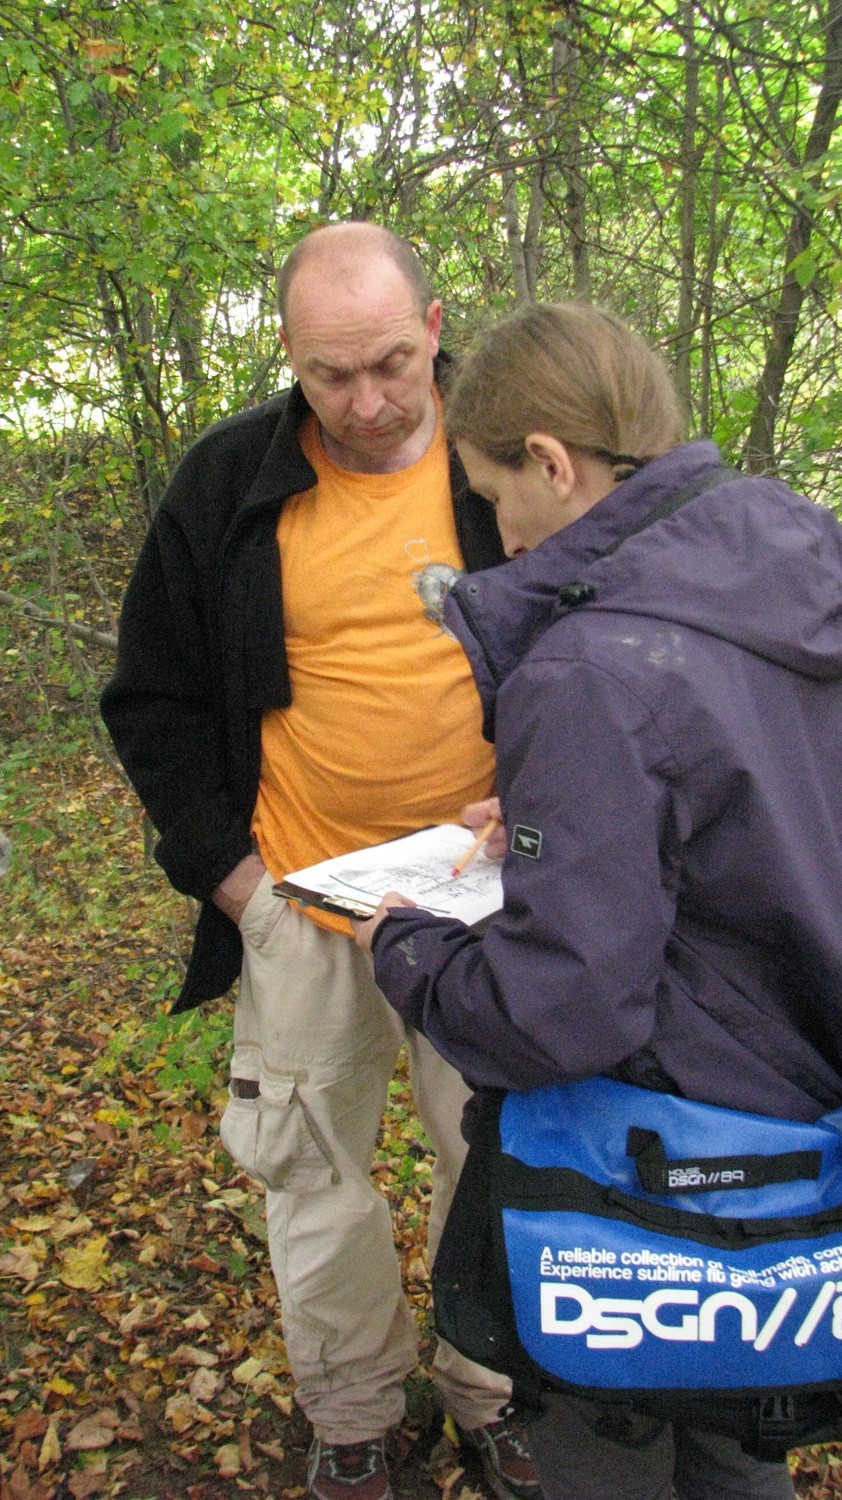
(482, 837)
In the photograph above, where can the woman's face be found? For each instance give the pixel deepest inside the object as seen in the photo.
(529, 503)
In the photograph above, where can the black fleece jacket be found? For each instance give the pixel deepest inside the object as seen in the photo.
(202, 655)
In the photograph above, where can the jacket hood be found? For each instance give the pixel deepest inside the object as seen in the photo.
(745, 560)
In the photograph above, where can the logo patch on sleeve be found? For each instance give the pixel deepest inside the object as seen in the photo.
(526, 841)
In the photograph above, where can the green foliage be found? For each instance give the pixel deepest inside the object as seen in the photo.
(156, 162)
(188, 1050)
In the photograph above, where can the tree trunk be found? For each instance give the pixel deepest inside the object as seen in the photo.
(516, 250)
(690, 160)
(760, 444)
(564, 72)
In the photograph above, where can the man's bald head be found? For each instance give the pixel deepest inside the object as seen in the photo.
(337, 251)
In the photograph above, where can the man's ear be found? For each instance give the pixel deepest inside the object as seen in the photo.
(432, 323)
(285, 341)
(554, 459)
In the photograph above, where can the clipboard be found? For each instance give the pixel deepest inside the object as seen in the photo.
(418, 865)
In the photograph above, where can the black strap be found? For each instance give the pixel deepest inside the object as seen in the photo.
(706, 481)
(574, 595)
(661, 1174)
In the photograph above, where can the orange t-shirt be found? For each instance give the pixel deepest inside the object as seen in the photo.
(383, 732)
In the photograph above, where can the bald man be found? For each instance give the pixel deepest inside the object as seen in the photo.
(282, 696)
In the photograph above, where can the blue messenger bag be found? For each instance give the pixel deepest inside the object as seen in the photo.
(631, 1246)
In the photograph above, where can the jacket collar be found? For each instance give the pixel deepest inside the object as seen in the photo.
(284, 470)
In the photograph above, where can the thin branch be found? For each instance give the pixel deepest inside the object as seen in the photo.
(39, 617)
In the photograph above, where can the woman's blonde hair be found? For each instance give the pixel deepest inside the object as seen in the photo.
(571, 370)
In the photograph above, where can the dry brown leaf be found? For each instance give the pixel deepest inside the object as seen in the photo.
(130, 1432)
(272, 1450)
(415, 1267)
(186, 1354)
(89, 1433)
(87, 1482)
(20, 1487)
(181, 1412)
(205, 1384)
(20, 1261)
(450, 1481)
(197, 1322)
(31, 1423)
(144, 1315)
(246, 1455)
(65, 1229)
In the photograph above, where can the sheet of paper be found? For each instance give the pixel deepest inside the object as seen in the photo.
(418, 866)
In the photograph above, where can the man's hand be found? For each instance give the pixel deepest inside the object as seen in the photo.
(476, 815)
(364, 931)
(232, 895)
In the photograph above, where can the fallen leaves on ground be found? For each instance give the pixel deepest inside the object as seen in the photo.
(143, 1350)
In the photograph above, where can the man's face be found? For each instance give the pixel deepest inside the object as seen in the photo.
(363, 353)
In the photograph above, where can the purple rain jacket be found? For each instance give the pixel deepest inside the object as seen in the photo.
(669, 757)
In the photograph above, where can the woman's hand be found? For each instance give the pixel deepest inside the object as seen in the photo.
(364, 931)
(476, 815)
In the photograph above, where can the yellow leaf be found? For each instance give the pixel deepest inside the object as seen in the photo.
(87, 1268)
(247, 1371)
(50, 1448)
(60, 1386)
(449, 1430)
(107, 1116)
(227, 1460)
(232, 1197)
(35, 1225)
(263, 1383)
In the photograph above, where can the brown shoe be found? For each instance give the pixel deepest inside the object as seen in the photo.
(504, 1456)
(347, 1471)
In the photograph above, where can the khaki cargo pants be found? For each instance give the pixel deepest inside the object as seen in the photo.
(316, 1036)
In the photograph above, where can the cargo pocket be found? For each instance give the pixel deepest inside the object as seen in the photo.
(262, 913)
(273, 1137)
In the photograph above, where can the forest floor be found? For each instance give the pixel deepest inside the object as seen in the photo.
(140, 1323)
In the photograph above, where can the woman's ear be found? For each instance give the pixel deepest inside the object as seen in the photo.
(554, 459)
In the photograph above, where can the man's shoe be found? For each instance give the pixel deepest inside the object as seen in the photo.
(347, 1471)
(504, 1456)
